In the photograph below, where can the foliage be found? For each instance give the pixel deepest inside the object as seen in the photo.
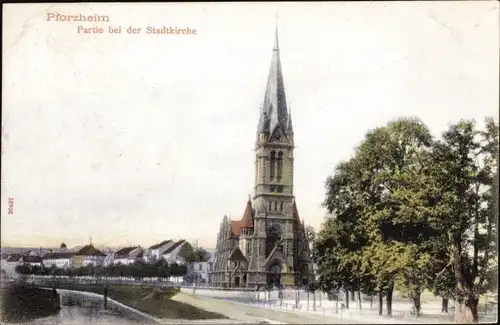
(137, 270)
(414, 212)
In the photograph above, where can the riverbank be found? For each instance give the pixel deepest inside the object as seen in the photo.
(22, 303)
(156, 302)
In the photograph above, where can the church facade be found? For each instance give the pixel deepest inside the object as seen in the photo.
(268, 245)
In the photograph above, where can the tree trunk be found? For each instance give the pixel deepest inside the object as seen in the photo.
(466, 310)
(380, 303)
(444, 305)
(416, 303)
(347, 299)
(389, 299)
(371, 301)
(359, 300)
(352, 296)
(466, 302)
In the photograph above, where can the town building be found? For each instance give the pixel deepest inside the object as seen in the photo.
(155, 252)
(268, 244)
(88, 255)
(128, 255)
(58, 259)
(173, 254)
(199, 271)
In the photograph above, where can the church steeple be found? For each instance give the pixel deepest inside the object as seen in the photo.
(274, 112)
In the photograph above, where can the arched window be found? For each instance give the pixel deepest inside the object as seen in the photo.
(280, 165)
(281, 206)
(272, 164)
(275, 205)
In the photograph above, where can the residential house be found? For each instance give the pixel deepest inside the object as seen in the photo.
(171, 255)
(199, 271)
(88, 255)
(155, 252)
(32, 260)
(60, 259)
(128, 255)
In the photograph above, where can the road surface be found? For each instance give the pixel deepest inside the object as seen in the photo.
(246, 313)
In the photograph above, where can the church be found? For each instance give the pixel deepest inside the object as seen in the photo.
(268, 245)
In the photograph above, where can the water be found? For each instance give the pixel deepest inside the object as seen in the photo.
(74, 315)
(84, 308)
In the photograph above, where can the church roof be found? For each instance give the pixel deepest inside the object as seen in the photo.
(245, 222)
(274, 111)
(237, 255)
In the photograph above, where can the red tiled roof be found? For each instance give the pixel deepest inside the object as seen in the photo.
(245, 222)
(235, 227)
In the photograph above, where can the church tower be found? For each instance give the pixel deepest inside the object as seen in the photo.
(268, 245)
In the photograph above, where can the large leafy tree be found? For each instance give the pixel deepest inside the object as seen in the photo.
(466, 163)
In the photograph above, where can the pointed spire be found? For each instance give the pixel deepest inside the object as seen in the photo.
(276, 43)
(274, 106)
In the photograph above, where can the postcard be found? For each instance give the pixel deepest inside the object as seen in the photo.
(227, 162)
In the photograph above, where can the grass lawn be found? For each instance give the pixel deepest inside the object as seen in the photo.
(151, 300)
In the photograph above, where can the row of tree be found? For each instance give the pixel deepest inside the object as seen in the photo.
(410, 212)
(137, 270)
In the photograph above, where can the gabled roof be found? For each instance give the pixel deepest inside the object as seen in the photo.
(90, 250)
(237, 255)
(174, 246)
(125, 251)
(160, 244)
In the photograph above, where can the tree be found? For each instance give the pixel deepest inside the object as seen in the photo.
(466, 161)
(384, 226)
(62, 246)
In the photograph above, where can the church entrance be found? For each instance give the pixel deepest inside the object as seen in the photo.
(274, 275)
(237, 281)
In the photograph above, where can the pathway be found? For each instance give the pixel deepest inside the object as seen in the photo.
(241, 312)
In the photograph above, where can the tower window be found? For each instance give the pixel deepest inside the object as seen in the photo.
(275, 205)
(280, 165)
(281, 206)
(272, 164)
(270, 205)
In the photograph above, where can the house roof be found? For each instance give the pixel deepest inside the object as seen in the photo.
(32, 259)
(14, 258)
(58, 255)
(174, 246)
(90, 250)
(160, 244)
(125, 251)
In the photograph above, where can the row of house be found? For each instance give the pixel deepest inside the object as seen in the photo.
(170, 250)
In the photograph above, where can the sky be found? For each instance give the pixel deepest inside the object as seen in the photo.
(137, 138)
